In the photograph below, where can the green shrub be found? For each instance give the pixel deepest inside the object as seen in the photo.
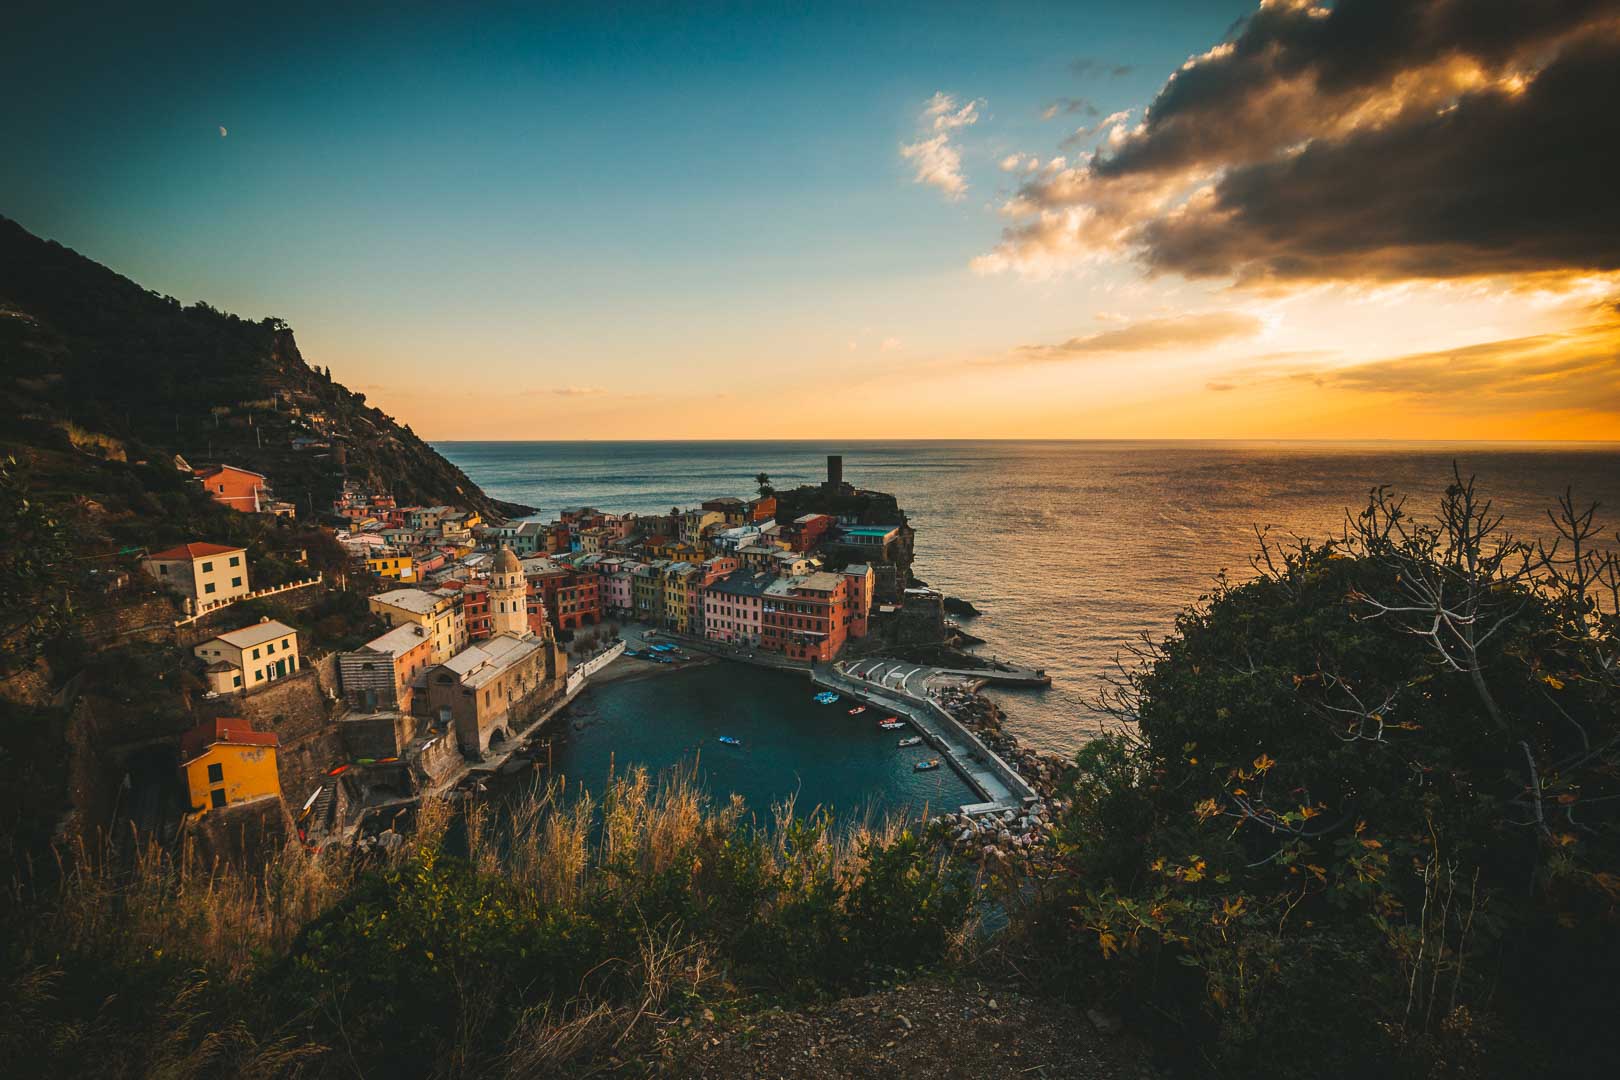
(1369, 819)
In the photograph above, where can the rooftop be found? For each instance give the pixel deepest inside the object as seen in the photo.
(193, 551)
(743, 583)
(478, 664)
(224, 729)
(398, 641)
(412, 600)
(256, 634)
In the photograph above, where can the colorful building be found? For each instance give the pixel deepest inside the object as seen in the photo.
(805, 617)
(394, 567)
(225, 762)
(238, 489)
(733, 607)
(208, 574)
(439, 612)
(382, 673)
(805, 532)
(246, 659)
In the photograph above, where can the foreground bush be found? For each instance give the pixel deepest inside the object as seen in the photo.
(1368, 817)
(526, 941)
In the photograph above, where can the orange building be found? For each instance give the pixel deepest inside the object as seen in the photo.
(236, 488)
(806, 617)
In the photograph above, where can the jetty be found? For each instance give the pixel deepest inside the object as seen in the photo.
(908, 689)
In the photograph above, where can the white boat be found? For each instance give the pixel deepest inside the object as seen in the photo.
(914, 740)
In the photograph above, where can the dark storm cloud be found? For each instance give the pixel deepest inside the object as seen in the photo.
(1374, 139)
(1502, 182)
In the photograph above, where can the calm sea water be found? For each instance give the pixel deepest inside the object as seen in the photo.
(792, 747)
(1070, 548)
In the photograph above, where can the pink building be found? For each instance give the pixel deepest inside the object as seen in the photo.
(616, 575)
(734, 609)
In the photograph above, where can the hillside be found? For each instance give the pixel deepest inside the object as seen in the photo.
(95, 366)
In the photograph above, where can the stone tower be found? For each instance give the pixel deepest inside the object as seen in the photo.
(508, 606)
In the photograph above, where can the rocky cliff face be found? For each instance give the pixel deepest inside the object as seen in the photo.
(92, 362)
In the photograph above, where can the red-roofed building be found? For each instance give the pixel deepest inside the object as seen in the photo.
(204, 573)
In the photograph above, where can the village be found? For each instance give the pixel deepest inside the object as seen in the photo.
(489, 629)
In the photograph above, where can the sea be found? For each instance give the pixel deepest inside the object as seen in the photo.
(1072, 550)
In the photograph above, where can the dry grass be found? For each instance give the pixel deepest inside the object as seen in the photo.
(220, 915)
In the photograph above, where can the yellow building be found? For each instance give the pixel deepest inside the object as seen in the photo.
(206, 574)
(439, 611)
(391, 566)
(244, 659)
(678, 586)
(226, 762)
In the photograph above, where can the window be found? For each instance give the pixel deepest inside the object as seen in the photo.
(258, 676)
(208, 588)
(237, 681)
(236, 583)
(255, 654)
(163, 570)
(236, 560)
(269, 650)
(216, 773)
(217, 798)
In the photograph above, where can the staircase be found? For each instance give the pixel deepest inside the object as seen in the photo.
(320, 815)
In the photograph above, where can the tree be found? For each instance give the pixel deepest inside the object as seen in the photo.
(764, 482)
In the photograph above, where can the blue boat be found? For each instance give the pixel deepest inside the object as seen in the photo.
(826, 697)
(731, 740)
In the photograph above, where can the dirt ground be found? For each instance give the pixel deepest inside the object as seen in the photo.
(928, 1029)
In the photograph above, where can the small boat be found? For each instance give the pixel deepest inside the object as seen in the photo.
(891, 724)
(857, 710)
(731, 740)
(826, 697)
(926, 766)
(914, 740)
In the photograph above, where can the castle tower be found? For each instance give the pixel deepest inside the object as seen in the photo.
(508, 595)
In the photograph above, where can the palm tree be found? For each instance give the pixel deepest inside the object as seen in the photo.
(764, 482)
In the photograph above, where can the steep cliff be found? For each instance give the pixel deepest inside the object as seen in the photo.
(91, 361)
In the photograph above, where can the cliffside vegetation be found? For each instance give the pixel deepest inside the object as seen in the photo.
(100, 374)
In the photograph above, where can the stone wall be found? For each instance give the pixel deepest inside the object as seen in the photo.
(140, 618)
(379, 735)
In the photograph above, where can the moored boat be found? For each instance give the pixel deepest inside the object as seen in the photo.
(912, 740)
(857, 710)
(731, 740)
(926, 766)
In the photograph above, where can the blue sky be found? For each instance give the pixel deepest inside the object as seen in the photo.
(581, 199)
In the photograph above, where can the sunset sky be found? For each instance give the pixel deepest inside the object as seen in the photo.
(1155, 219)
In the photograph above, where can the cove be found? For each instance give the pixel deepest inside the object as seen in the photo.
(790, 745)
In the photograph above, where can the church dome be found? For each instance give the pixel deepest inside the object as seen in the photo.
(506, 562)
